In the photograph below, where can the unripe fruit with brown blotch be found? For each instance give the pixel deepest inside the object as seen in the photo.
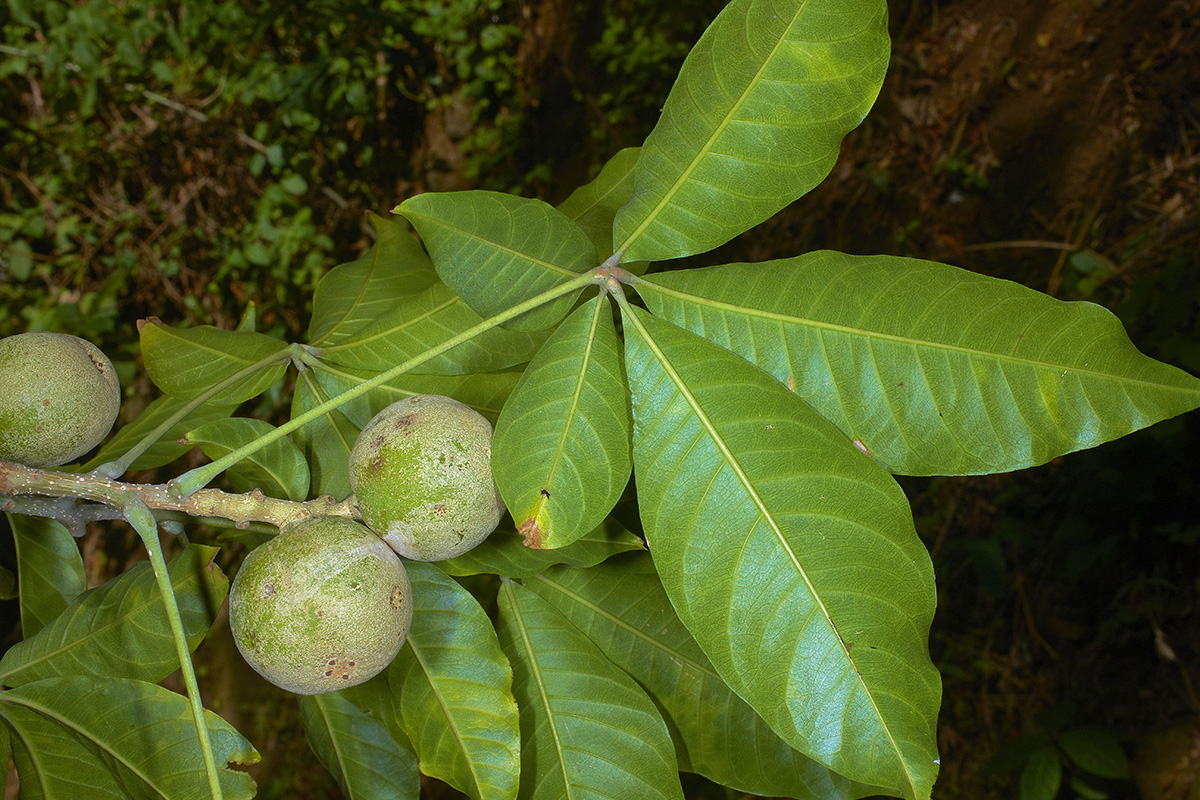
(421, 471)
(322, 606)
(59, 398)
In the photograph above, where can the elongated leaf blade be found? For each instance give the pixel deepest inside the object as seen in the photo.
(504, 552)
(587, 729)
(790, 556)
(423, 322)
(933, 369)
(352, 296)
(496, 250)
(184, 362)
(453, 687)
(278, 469)
(358, 750)
(168, 447)
(120, 629)
(754, 121)
(49, 570)
(561, 453)
(625, 612)
(144, 734)
(51, 763)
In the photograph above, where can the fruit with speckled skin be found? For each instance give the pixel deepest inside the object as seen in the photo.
(422, 476)
(59, 398)
(322, 606)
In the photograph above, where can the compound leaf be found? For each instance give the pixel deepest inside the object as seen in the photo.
(587, 729)
(754, 120)
(561, 450)
(623, 609)
(421, 323)
(49, 570)
(933, 369)
(278, 469)
(496, 250)
(120, 629)
(185, 362)
(789, 555)
(453, 688)
(351, 296)
(143, 734)
(358, 750)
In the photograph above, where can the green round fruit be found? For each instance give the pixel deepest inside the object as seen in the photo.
(422, 476)
(322, 606)
(59, 398)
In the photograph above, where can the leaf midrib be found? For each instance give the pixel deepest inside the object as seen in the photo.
(720, 128)
(359, 340)
(833, 327)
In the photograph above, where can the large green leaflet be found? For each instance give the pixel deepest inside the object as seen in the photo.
(420, 323)
(352, 296)
(623, 609)
(49, 569)
(119, 629)
(790, 556)
(125, 738)
(561, 449)
(587, 730)
(754, 120)
(453, 688)
(594, 205)
(496, 250)
(358, 750)
(184, 362)
(933, 369)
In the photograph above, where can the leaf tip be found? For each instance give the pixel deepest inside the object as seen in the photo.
(532, 531)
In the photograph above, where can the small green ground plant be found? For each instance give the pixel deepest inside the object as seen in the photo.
(742, 423)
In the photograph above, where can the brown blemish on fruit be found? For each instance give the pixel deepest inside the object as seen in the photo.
(439, 510)
(269, 590)
(397, 598)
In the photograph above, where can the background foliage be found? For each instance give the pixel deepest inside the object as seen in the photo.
(181, 160)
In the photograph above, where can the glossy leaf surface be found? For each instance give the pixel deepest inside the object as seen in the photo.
(789, 555)
(561, 452)
(623, 609)
(49, 570)
(358, 750)
(936, 370)
(51, 763)
(453, 688)
(184, 362)
(420, 323)
(279, 469)
(351, 296)
(504, 552)
(120, 629)
(587, 729)
(142, 733)
(754, 120)
(496, 250)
